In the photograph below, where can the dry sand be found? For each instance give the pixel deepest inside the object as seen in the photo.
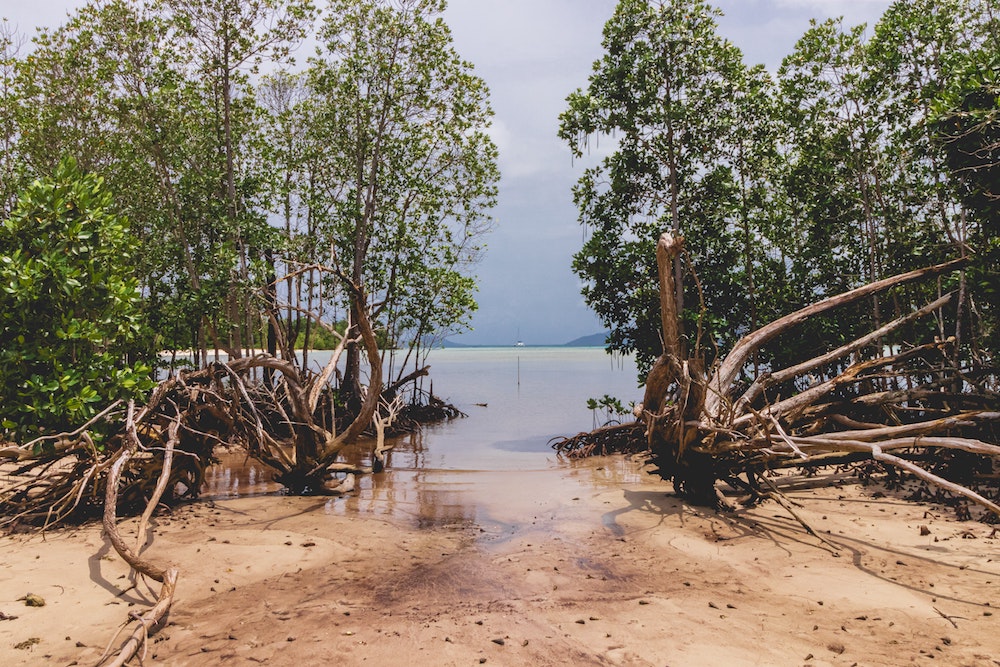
(588, 564)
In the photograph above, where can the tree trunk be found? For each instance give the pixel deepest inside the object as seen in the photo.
(350, 385)
(700, 431)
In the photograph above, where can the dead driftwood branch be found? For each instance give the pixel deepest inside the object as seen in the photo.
(907, 406)
(166, 576)
(158, 453)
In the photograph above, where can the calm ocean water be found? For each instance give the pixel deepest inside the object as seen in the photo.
(494, 464)
(532, 394)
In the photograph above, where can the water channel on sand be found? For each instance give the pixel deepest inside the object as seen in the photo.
(493, 466)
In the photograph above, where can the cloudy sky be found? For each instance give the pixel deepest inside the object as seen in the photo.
(533, 53)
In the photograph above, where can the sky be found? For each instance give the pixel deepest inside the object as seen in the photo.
(533, 54)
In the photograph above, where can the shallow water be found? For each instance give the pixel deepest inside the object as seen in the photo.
(495, 466)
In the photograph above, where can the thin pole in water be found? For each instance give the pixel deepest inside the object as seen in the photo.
(519, 370)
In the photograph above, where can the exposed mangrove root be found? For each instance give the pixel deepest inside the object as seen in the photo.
(908, 407)
(627, 438)
(165, 576)
(158, 453)
(424, 408)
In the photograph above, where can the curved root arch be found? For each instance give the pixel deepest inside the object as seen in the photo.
(704, 428)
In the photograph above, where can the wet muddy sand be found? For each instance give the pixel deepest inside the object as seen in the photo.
(478, 546)
(594, 563)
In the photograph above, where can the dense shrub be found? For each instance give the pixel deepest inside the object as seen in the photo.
(68, 306)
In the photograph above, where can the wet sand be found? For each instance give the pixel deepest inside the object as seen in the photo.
(589, 563)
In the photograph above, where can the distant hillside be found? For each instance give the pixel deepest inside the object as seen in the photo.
(450, 343)
(593, 340)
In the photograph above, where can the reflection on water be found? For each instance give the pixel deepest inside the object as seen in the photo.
(238, 475)
(494, 468)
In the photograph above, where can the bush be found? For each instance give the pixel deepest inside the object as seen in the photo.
(68, 306)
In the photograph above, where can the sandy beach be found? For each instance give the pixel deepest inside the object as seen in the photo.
(592, 564)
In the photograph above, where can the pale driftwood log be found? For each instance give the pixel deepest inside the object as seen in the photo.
(940, 425)
(771, 379)
(720, 385)
(667, 367)
(669, 248)
(320, 381)
(345, 485)
(166, 576)
(382, 420)
(780, 443)
(62, 441)
(161, 483)
(701, 431)
(933, 479)
(335, 443)
(853, 373)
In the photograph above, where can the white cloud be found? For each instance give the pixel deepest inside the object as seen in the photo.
(532, 55)
(27, 16)
(527, 31)
(766, 30)
(853, 11)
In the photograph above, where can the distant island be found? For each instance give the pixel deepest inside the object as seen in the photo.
(593, 340)
(450, 343)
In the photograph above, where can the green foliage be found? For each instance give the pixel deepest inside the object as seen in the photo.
(967, 121)
(321, 338)
(157, 97)
(68, 306)
(611, 410)
(378, 152)
(875, 153)
(11, 169)
(398, 121)
(674, 95)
